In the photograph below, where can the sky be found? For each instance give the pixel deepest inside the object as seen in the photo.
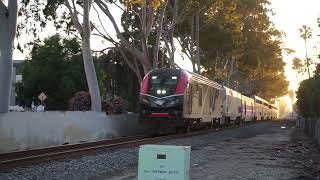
(290, 16)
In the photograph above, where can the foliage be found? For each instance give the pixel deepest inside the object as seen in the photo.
(155, 4)
(115, 106)
(305, 34)
(240, 46)
(47, 10)
(297, 64)
(55, 68)
(308, 96)
(317, 71)
(80, 102)
(120, 79)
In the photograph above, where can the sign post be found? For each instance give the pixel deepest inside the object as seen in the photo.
(42, 97)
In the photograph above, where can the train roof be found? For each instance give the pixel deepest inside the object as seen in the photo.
(260, 99)
(232, 92)
(201, 79)
(274, 106)
(247, 97)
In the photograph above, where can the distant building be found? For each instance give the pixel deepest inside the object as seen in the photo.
(16, 77)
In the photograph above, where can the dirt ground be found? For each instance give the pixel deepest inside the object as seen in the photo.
(268, 150)
(302, 152)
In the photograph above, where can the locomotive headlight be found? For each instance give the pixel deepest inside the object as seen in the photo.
(158, 91)
(164, 91)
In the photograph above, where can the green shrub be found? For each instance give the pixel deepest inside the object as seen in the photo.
(308, 96)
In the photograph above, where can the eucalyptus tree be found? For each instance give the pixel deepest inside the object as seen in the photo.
(305, 34)
(239, 46)
(152, 22)
(8, 23)
(84, 28)
(75, 18)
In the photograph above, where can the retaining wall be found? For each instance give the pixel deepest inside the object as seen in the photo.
(29, 130)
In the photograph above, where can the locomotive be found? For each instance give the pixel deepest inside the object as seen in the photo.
(178, 98)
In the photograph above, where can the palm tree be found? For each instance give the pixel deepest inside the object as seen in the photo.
(305, 34)
(297, 66)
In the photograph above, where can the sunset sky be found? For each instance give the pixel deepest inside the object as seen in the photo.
(290, 16)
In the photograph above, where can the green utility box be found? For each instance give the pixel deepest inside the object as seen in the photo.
(159, 162)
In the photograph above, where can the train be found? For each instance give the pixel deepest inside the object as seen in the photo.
(181, 99)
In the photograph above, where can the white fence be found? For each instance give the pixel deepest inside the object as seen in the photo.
(29, 130)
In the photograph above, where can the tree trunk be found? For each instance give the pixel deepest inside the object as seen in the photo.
(198, 43)
(8, 22)
(173, 48)
(91, 75)
(88, 60)
(192, 45)
(307, 60)
(159, 32)
(230, 73)
(6, 46)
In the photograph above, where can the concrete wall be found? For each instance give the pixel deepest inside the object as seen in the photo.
(29, 130)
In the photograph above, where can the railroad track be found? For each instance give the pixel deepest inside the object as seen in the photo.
(15, 158)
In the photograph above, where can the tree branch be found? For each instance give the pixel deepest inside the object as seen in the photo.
(102, 50)
(149, 24)
(3, 7)
(170, 51)
(159, 33)
(74, 18)
(101, 24)
(187, 48)
(124, 42)
(136, 70)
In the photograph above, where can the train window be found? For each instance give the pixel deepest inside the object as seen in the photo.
(259, 102)
(210, 102)
(200, 96)
(251, 108)
(213, 100)
(190, 99)
(245, 107)
(162, 85)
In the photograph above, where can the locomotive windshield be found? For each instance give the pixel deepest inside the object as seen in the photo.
(161, 85)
